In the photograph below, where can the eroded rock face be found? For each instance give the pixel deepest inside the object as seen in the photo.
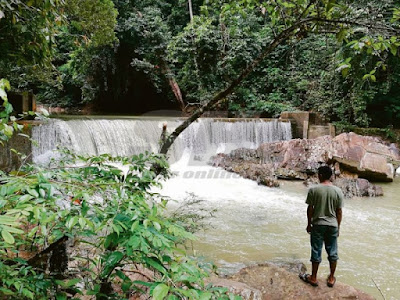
(238, 288)
(368, 157)
(355, 159)
(270, 282)
(358, 188)
(246, 166)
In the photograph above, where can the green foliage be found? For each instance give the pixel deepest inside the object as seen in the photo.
(40, 42)
(302, 73)
(27, 38)
(92, 201)
(27, 30)
(388, 133)
(335, 58)
(8, 124)
(94, 20)
(101, 201)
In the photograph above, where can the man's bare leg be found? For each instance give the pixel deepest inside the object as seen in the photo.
(331, 278)
(315, 266)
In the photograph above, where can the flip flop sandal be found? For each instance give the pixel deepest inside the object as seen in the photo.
(306, 278)
(331, 284)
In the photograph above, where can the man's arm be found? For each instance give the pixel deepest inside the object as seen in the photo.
(310, 212)
(339, 217)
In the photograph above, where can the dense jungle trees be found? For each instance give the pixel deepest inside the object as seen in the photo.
(123, 51)
(129, 52)
(293, 21)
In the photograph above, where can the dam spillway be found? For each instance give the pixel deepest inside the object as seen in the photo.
(125, 137)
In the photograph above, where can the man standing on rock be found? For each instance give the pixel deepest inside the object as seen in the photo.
(324, 214)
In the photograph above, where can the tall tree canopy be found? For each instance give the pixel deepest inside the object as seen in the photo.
(366, 29)
(328, 56)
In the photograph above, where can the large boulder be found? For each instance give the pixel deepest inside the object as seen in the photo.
(275, 283)
(358, 187)
(368, 157)
(245, 163)
(295, 159)
(356, 160)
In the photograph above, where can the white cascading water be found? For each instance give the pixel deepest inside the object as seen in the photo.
(126, 137)
(253, 223)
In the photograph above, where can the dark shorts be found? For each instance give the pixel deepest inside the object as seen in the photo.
(324, 234)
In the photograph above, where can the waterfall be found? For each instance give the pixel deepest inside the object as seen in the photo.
(124, 137)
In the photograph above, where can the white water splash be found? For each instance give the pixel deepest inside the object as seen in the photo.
(125, 137)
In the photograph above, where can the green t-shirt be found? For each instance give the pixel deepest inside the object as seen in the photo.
(325, 199)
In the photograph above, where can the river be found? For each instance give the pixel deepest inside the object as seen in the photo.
(255, 224)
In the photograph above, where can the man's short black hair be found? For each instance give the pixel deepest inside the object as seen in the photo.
(325, 173)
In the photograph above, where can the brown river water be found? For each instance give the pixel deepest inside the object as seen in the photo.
(255, 224)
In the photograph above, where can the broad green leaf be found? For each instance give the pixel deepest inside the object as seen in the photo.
(157, 226)
(8, 238)
(111, 240)
(134, 225)
(61, 296)
(122, 275)
(8, 220)
(146, 223)
(72, 282)
(72, 222)
(111, 262)
(33, 192)
(6, 291)
(155, 264)
(13, 229)
(393, 49)
(160, 291)
(42, 193)
(134, 241)
(82, 222)
(205, 296)
(26, 197)
(3, 94)
(27, 293)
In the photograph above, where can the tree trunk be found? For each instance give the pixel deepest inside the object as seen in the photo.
(54, 258)
(190, 10)
(173, 84)
(280, 38)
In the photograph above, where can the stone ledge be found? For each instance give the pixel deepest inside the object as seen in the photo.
(270, 282)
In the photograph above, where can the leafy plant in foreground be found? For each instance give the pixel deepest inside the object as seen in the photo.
(91, 226)
(102, 204)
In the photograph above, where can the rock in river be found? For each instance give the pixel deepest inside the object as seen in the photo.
(270, 282)
(355, 158)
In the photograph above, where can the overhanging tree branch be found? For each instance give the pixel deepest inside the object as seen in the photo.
(279, 39)
(283, 36)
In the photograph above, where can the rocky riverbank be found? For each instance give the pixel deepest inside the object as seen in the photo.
(267, 281)
(356, 159)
